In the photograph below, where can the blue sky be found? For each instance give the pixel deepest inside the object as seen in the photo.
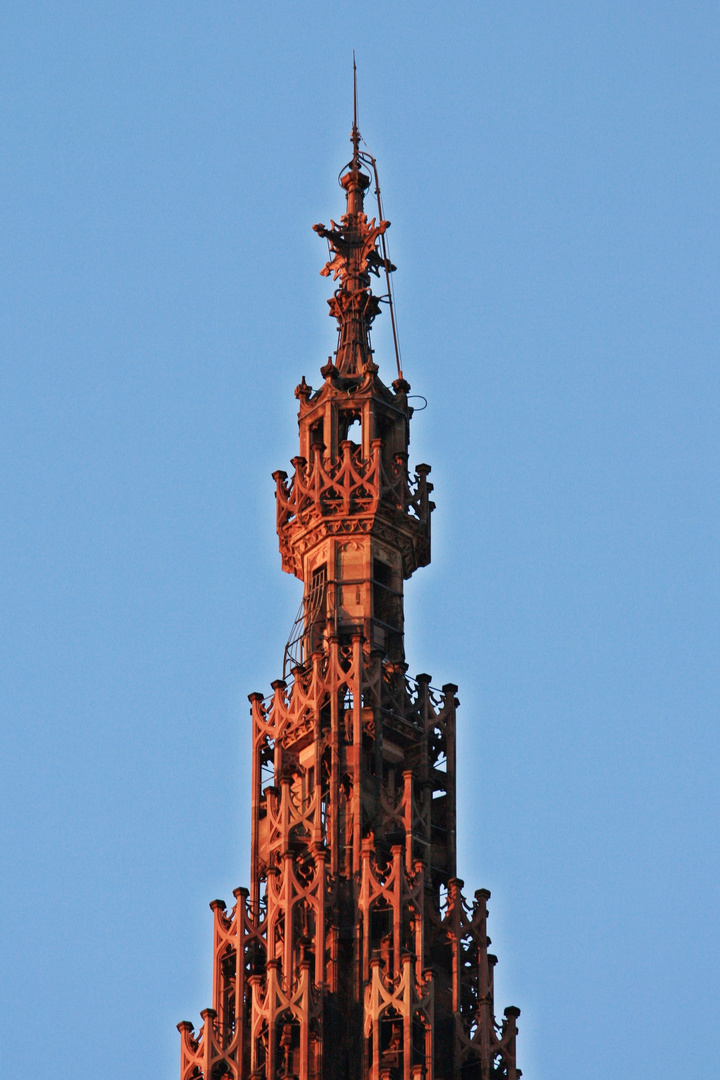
(551, 173)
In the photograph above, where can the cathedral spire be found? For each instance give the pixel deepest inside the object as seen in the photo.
(353, 953)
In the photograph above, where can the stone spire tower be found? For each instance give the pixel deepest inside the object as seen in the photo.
(353, 955)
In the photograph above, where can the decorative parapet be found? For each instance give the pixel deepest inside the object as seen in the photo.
(351, 487)
(479, 1038)
(199, 1055)
(293, 706)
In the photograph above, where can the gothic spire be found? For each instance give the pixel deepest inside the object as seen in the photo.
(353, 953)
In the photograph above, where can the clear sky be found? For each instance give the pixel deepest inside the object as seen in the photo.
(551, 174)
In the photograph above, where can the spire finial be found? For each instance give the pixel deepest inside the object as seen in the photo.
(354, 257)
(355, 137)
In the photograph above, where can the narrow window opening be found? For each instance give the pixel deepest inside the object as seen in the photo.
(350, 427)
(385, 599)
(315, 609)
(316, 435)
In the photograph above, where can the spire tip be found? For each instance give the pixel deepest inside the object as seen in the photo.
(355, 136)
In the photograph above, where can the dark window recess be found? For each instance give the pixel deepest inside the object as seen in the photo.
(380, 924)
(317, 582)
(316, 435)
(315, 606)
(386, 601)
